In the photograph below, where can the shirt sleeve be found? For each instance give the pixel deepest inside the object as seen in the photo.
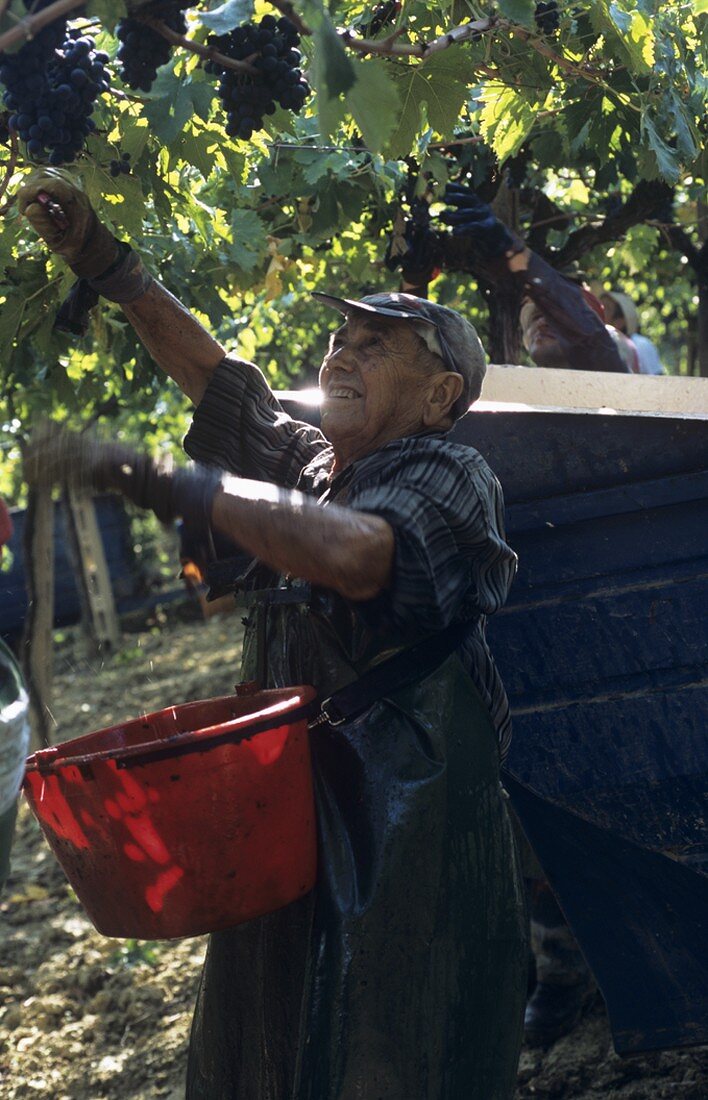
(239, 426)
(451, 560)
(580, 331)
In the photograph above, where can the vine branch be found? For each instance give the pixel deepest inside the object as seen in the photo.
(643, 202)
(207, 52)
(391, 48)
(29, 26)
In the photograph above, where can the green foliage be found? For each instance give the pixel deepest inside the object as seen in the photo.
(244, 231)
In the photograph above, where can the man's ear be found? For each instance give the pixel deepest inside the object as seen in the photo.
(442, 395)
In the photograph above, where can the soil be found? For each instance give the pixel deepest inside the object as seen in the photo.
(83, 1017)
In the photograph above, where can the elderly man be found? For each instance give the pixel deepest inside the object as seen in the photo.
(402, 975)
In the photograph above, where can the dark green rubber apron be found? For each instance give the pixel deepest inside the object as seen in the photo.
(402, 976)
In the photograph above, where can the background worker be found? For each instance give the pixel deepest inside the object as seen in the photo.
(562, 322)
(403, 974)
(621, 312)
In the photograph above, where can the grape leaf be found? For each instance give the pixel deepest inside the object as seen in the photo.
(11, 315)
(249, 239)
(440, 85)
(373, 102)
(666, 157)
(338, 70)
(506, 120)
(197, 149)
(446, 90)
(109, 12)
(229, 15)
(684, 133)
(169, 115)
(333, 67)
(518, 11)
(202, 94)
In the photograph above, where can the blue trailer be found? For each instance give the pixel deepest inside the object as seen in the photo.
(603, 647)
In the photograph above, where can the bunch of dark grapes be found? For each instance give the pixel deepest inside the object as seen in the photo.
(547, 17)
(271, 48)
(120, 167)
(382, 16)
(52, 84)
(143, 50)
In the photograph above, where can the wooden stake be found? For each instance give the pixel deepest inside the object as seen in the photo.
(37, 641)
(99, 617)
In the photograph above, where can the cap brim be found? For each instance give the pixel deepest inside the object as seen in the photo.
(346, 305)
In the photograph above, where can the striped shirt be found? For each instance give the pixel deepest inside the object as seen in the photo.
(451, 562)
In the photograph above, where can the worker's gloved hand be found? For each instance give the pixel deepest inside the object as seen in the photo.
(82, 462)
(414, 246)
(69, 226)
(470, 217)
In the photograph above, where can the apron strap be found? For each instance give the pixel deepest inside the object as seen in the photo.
(404, 668)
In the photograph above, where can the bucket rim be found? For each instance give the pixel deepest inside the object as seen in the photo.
(293, 705)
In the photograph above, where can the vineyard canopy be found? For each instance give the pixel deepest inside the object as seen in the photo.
(589, 138)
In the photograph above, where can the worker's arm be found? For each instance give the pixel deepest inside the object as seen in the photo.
(62, 215)
(176, 340)
(350, 552)
(580, 331)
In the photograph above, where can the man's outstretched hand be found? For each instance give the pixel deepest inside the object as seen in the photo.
(55, 455)
(475, 220)
(67, 222)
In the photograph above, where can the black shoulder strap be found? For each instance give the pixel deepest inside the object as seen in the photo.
(399, 671)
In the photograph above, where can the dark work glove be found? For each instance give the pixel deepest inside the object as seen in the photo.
(488, 237)
(69, 226)
(83, 462)
(414, 246)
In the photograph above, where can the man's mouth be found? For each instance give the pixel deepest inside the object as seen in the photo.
(342, 392)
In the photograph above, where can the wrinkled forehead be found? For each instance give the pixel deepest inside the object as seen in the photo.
(368, 322)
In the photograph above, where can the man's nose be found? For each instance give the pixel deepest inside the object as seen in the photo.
(340, 359)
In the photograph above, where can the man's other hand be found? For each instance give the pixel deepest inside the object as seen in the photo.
(470, 217)
(67, 222)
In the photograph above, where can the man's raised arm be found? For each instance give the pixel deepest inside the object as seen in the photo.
(63, 216)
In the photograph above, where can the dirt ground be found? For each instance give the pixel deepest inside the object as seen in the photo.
(83, 1017)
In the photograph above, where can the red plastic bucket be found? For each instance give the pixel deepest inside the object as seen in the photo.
(191, 819)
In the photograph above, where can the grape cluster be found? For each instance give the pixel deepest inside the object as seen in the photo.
(271, 48)
(382, 16)
(143, 50)
(52, 84)
(120, 167)
(547, 17)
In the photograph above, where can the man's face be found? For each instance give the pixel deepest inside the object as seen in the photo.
(374, 385)
(613, 313)
(539, 336)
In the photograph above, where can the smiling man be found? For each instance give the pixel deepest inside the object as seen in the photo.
(402, 975)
